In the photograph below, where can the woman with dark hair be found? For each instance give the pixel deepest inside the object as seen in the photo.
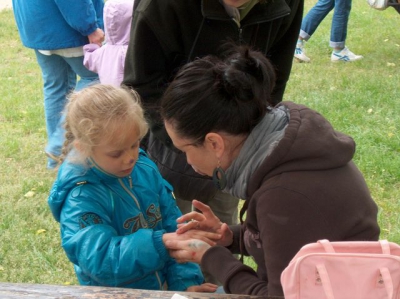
(293, 169)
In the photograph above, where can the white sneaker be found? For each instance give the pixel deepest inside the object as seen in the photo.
(300, 53)
(378, 4)
(345, 55)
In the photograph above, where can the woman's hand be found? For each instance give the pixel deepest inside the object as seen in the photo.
(205, 288)
(207, 221)
(187, 250)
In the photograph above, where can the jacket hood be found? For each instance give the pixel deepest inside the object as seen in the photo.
(69, 176)
(117, 21)
(309, 144)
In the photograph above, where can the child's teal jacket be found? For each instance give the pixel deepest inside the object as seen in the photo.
(111, 228)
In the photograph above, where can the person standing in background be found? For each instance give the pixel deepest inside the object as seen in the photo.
(167, 34)
(338, 30)
(57, 31)
(108, 60)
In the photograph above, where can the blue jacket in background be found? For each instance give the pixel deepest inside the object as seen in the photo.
(111, 228)
(57, 24)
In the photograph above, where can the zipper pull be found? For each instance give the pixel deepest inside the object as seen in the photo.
(130, 182)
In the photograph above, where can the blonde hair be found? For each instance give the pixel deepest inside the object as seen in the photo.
(98, 113)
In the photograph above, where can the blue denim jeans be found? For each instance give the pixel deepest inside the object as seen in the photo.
(339, 20)
(59, 79)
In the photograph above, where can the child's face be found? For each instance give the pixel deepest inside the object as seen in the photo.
(118, 158)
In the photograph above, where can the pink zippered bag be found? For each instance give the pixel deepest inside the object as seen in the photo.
(344, 270)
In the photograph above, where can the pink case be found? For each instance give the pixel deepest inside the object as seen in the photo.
(344, 270)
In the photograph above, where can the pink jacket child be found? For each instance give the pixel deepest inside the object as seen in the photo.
(108, 60)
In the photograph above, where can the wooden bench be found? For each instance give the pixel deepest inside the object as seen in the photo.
(22, 290)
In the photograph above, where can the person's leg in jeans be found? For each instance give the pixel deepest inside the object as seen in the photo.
(309, 24)
(340, 20)
(86, 77)
(314, 17)
(58, 80)
(56, 140)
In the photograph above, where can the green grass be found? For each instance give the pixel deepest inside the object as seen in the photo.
(30, 248)
(360, 99)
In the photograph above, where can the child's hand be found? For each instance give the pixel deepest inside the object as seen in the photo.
(208, 237)
(204, 288)
(187, 250)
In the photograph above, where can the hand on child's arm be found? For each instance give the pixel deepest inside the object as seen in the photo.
(205, 288)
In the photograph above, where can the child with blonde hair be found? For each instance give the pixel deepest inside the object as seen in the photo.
(115, 210)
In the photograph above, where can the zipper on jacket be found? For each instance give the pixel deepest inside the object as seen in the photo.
(130, 181)
(240, 28)
(112, 201)
(282, 15)
(159, 280)
(129, 191)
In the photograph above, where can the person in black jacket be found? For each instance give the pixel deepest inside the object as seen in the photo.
(167, 34)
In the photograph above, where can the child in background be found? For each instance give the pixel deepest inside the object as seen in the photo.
(108, 60)
(114, 208)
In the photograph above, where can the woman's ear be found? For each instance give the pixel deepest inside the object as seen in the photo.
(215, 142)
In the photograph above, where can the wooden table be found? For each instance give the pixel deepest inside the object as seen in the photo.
(45, 291)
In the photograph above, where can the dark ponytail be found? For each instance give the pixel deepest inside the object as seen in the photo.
(213, 94)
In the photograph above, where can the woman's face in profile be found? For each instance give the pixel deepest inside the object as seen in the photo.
(201, 158)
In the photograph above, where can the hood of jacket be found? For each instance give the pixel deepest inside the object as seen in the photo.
(310, 143)
(69, 176)
(117, 21)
